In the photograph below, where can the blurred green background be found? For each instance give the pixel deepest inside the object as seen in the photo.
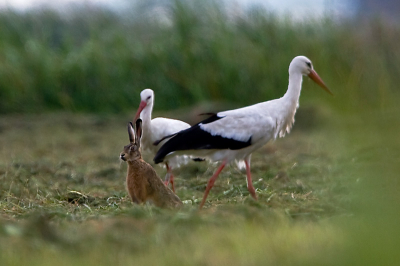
(69, 82)
(95, 60)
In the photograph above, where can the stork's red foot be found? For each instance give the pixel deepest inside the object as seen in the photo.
(250, 186)
(253, 193)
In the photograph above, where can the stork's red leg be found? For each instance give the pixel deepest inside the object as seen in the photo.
(250, 186)
(211, 183)
(166, 181)
(171, 180)
(169, 177)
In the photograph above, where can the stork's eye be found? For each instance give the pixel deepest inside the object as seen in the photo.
(308, 64)
(148, 98)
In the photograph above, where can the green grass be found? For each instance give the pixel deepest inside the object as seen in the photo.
(328, 192)
(327, 195)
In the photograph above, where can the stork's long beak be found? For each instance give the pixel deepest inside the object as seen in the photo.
(314, 76)
(142, 105)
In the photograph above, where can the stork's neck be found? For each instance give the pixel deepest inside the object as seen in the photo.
(288, 105)
(293, 93)
(145, 115)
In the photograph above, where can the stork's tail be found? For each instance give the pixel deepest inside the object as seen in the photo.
(159, 158)
(155, 143)
(166, 149)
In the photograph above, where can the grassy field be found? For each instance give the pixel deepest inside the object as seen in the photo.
(327, 195)
(328, 192)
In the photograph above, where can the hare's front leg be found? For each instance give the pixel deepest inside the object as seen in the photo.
(133, 197)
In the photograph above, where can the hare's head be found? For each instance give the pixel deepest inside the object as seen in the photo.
(132, 150)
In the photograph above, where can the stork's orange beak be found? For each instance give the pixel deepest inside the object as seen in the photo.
(142, 105)
(314, 76)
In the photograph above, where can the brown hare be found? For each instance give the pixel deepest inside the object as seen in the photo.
(142, 181)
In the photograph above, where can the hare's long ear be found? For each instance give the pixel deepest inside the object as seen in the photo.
(131, 132)
(138, 131)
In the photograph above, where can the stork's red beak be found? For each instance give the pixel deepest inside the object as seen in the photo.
(314, 76)
(142, 105)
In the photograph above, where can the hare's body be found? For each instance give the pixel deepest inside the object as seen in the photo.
(142, 181)
(143, 185)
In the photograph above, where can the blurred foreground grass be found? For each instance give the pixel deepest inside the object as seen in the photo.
(327, 196)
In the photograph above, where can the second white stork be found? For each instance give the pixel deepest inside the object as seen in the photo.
(235, 134)
(157, 129)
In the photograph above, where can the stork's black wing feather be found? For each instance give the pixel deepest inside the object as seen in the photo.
(194, 138)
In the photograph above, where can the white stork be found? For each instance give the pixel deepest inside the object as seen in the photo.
(156, 129)
(235, 134)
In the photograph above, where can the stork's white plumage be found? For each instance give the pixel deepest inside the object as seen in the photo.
(157, 129)
(235, 134)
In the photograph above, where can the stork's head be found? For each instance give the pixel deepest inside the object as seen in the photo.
(146, 99)
(303, 65)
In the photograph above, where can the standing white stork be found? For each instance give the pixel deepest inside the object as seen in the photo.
(235, 134)
(156, 129)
